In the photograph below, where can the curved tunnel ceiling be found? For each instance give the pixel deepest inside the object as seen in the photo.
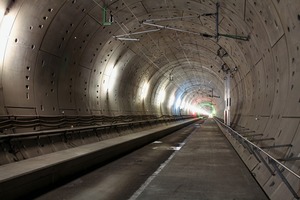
(61, 57)
(65, 57)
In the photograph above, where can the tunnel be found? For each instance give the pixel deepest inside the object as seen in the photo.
(68, 62)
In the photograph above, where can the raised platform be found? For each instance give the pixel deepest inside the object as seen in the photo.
(21, 178)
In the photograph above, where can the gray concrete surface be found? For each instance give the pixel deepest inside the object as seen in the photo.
(206, 168)
(119, 179)
(22, 178)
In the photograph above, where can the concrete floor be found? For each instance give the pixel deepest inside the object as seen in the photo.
(206, 167)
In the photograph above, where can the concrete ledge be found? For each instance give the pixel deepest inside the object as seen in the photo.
(22, 178)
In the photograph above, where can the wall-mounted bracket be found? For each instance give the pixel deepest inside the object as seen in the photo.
(236, 37)
(106, 22)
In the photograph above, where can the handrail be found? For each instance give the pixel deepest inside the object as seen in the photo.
(270, 158)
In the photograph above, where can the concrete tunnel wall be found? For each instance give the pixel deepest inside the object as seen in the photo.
(56, 58)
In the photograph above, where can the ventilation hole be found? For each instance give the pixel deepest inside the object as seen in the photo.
(27, 95)
(52, 82)
(288, 28)
(54, 109)
(74, 1)
(31, 27)
(16, 40)
(272, 184)
(275, 23)
(50, 9)
(27, 87)
(279, 132)
(293, 60)
(45, 18)
(27, 77)
(52, 90)
(293, 73)
(299, 17)
(292, 87)
(41, 26)
(42, 108)
(32, 46)
(28, 68)
(52, 74)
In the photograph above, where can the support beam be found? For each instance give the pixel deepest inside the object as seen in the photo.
(277, 146)
(289, 159)
(136, 33)
(262, 139)
(246, 131)
(286, 182)
(253, 135)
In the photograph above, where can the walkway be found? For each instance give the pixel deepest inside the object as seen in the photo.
(206, 168)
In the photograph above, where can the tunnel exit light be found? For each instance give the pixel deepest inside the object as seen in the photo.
(209, 108)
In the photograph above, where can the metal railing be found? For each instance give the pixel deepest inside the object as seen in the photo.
(272, 164)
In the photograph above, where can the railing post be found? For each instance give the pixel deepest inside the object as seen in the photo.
(286, 182)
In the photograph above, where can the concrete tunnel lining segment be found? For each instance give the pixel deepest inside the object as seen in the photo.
(56, 58)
